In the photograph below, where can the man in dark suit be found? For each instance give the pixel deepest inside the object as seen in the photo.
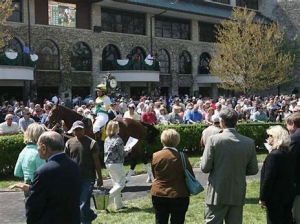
(293, 126)
(113, 111)
(55, 191)
(228, 157)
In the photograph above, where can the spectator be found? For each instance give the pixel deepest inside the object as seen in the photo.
(194, 116)
(55, 191)
(8, 127)
(163, 116)
(260, 115)
(149, 116)
(231, 155)
(114, 155)
(131, 113)
(113, 111)
(170, 195)
(174, 117)
(29, 159)
(25, 121)
(85, 152)
(211, 130)
(293, 126)
(15, 117)
(277, 191)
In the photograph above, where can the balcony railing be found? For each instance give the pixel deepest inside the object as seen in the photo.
(18, 59)
(128, 64)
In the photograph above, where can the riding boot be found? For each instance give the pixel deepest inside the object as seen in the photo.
(129, 174)
(149, 172)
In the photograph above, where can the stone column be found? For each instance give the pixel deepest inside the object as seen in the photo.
(194, 31)
(95, 15)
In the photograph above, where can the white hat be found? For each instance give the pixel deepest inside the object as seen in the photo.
(215, 118)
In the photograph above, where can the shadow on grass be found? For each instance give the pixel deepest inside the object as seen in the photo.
(136, 188)
(251, 201)
(132, 210)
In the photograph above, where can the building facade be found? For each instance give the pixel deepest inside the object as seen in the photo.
(78, 42)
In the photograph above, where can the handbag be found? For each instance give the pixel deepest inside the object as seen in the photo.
(192, 183)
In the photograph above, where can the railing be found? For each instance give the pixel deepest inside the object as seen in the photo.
(18, 59)
(128, 64)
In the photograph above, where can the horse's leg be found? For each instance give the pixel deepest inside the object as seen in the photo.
(133, 162)
(148, 168)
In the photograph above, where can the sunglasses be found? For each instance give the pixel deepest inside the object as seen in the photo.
(270, 136)
(26, 114)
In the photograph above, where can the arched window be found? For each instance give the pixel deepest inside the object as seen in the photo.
(16, 46)
(109, 53)
(164, 61)
(185, 63)
(138, 51)
(204, 63)
(48, 56)
(81, 59)
(13, 45)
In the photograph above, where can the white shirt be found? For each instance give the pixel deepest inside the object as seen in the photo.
(5, 129)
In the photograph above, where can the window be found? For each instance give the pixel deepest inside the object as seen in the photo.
(207, 32)
(13, 45)
(185, 63)
(172, 28)
(222, 1)
(138, 51)
(61, 14)
(204, 63)
(123, 21)
(17, 13)
(250, 4)
(110, 52)
(164, 61)
(48, 56)
(81, 59)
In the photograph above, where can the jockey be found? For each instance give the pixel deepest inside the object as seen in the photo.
(103, 103)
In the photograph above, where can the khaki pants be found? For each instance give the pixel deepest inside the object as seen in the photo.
(215, 214)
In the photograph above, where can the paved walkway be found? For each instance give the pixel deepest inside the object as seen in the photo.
(12, 209)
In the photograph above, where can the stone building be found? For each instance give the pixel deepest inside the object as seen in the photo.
(79, 41)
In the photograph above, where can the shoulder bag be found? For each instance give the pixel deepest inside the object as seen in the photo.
(192, 183)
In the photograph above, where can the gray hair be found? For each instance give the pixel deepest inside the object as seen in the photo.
(229, 117)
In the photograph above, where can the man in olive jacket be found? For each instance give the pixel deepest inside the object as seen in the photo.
(228, 157)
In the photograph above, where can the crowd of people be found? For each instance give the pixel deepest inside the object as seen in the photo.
(228, 156)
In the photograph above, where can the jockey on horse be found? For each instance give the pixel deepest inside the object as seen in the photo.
(103, 103)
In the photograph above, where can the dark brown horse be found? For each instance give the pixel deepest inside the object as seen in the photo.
(128, 127)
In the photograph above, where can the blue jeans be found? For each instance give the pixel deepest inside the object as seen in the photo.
(87, 214)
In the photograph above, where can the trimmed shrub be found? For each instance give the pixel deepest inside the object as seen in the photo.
(10, 148)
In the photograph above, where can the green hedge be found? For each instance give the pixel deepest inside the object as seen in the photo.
(190, 136)
(11, 146)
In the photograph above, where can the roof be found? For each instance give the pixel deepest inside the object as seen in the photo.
(210, 9)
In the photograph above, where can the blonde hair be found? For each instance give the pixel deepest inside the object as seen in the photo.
(112, 128)
(33, 133)
(281, 137)
(170, 138)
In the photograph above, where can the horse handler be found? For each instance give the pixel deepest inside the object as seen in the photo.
(103, 103)
(85, 151)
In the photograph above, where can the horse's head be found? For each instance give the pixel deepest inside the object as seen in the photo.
(55, 114)
(151, 132)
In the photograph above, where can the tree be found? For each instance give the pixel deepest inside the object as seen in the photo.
(250, 54)
(6, 9)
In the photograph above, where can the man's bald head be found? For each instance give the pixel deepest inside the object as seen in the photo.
(49, 143)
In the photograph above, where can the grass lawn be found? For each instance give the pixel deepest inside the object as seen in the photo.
(140, 210)
(140, 168)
